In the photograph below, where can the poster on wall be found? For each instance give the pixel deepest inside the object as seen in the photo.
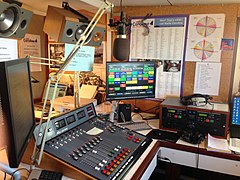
(205, 32)
(8, 49)
(30, 46)
(161, 39)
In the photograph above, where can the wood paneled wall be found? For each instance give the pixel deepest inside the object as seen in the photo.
(36, 28)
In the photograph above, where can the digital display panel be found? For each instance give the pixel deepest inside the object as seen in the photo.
(128, 80)
(171, 110)
(70, 119)
(60, 124)
(202, 115)
(81, 114)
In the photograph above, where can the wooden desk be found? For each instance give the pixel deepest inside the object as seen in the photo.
(197, 156)
(200, 158)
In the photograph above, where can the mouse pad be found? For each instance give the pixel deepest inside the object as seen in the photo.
(164, 135)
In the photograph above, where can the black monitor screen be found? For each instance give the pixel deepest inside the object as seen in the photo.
(128, 80)
(17, 107)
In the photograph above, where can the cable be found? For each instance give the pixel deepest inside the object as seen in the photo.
(5, 175)
(12, 174)
(138, 114)
(121, 5)
(170, 3)
(164, 159)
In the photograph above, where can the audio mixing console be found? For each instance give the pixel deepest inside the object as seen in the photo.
(99, 148)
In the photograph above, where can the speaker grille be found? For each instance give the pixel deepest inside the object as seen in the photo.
(13, 20)
(73, 30)
(9, 21)
(80, 30)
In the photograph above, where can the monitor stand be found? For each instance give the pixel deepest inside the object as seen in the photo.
(113, 112)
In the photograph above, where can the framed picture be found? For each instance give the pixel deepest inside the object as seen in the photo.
(100, 55)
(56, 51)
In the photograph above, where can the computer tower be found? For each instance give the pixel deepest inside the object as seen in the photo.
(124, 113)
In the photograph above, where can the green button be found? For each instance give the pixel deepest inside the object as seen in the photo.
(179, 116)
(212, 121)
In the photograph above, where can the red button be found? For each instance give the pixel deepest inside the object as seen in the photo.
(108, 167)
(207, 120)
(176, 116)
(104, 171)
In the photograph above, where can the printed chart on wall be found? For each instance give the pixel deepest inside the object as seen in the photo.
(205, 32)
(161, 39)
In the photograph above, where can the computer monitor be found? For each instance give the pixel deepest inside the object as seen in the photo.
(16, 107)
(235, 116)
(130, 80)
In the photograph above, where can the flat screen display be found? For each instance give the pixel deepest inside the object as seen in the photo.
(17, 107)
(236, 111)
(130, 80)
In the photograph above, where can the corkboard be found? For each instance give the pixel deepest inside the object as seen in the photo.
(231, 11)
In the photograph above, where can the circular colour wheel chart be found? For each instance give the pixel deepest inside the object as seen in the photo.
(206, 26)
(203, 50)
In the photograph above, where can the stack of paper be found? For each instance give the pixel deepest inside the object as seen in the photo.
(88, 91)
(216, 144)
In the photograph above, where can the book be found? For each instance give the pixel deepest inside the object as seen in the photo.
(217, 144)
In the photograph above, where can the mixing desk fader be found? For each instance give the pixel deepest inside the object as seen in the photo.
(99, 148)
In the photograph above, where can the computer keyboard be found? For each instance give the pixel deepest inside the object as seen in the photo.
(45, 175)
(50, 175)
(137, 126)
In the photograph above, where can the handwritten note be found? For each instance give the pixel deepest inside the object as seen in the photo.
(207, 78)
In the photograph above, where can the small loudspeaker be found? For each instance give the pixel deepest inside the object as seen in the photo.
(64, 26)
(13, 20)
(124, 113)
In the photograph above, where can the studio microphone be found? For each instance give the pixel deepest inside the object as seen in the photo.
(121, 46)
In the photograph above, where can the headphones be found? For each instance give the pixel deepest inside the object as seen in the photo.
(195, 100)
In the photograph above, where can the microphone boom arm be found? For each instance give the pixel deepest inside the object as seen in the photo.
(103, 6)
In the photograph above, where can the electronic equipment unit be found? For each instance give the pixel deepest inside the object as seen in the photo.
(213, 119)
(102, 149)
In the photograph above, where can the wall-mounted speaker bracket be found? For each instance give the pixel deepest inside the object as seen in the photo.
(83, 18)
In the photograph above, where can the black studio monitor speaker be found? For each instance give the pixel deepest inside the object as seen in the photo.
(64, 26)
(124, 113)
(14, 20)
